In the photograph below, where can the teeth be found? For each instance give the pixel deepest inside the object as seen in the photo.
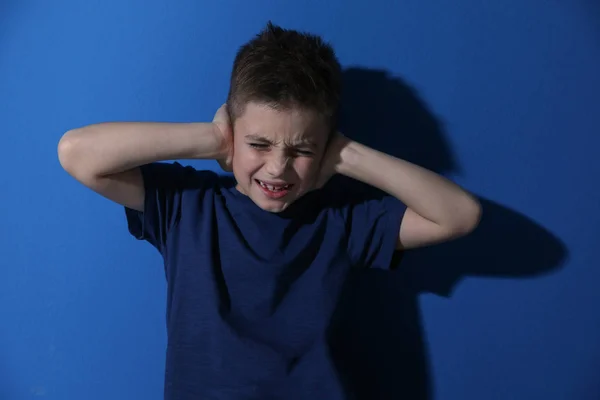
(273, 188)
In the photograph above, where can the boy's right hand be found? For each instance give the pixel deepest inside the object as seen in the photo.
(224, 129)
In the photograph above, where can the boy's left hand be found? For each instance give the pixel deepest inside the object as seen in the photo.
(332, 158)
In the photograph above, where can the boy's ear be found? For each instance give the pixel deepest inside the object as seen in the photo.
(332, 132)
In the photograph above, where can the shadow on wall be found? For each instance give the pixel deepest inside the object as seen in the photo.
(378, 342)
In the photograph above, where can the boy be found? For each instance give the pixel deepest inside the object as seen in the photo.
(254, 268)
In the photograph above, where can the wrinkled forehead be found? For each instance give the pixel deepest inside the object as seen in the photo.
(285, 140)
(294, 126)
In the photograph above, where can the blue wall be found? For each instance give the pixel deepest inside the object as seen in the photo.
(503, 97)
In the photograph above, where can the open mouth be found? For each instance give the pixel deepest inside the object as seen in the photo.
(274, 190)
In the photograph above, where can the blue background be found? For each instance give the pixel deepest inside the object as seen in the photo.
(501, 96)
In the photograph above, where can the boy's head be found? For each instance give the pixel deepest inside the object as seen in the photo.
(283, 102)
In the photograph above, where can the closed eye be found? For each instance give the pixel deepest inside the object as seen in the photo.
(303, 152)
(260, 146)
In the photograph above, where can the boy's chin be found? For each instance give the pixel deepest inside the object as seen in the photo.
(270, 205)
(274, 205)
(274, 208)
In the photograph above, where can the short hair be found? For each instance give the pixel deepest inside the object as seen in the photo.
(286, 68)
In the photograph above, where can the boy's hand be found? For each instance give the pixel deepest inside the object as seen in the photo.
(332, 158)
(225, 131)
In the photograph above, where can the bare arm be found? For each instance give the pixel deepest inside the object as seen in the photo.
(438, 210)
(105, 157)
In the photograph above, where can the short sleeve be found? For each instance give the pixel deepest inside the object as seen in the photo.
(373, 223)
(165, 187)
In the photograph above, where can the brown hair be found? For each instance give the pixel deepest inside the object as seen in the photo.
(286, 68)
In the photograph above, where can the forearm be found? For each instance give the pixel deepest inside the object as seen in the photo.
(113, 147)
(426, 193)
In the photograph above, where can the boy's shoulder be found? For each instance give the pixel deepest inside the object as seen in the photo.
(176, 176)
(344, 192)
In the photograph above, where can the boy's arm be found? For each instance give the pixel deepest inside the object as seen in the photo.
(106, 157)
(437, 209)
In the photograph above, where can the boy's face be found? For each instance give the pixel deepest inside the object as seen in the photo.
(277, 154)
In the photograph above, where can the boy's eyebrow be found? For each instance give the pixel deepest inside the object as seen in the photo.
(258, 138)
(302, 141)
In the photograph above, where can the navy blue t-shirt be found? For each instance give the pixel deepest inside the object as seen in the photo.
(250, 294)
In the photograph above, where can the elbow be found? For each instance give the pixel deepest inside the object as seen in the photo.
(72, 155)
(67, 151)
(470, 216)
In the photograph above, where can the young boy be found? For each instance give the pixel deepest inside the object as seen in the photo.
(254, 268)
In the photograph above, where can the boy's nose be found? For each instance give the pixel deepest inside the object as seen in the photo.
(277, 164)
